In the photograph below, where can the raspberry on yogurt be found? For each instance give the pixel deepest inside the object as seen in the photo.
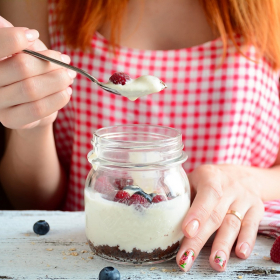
(119, 78)
(122, 197)
(139, 200)
(159, 198)
(121, 183)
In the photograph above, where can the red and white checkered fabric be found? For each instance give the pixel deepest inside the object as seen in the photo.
(270, 224)
(227, 113)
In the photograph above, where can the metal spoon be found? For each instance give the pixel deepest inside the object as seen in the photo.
(38, 55)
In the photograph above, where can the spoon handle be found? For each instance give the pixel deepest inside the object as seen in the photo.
(41, 56)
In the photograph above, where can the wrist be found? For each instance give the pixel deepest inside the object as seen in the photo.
(35, 132)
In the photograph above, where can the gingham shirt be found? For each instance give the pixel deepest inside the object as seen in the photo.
(227, 113)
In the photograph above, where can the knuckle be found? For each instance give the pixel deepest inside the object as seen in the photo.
(29, 89)
(7, 120)
(208, 168)
(216, 190)
(3, 119)
(37, 109)
(18, 39)
(250, 225)
(202, 213)
(63, 77)
(62, 98)
(261, 207)
(198, 242)
(52, 54)
(232, 222)
(216, 218)
(23, 65)
(224, 244)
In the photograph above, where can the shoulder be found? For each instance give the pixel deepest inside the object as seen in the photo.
(27, 13)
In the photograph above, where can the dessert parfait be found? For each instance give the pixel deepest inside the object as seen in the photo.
(137, 194)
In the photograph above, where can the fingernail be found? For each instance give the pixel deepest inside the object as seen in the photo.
(192, 228)
(186, 260)
(244, 249)
(69, 90)
(220, 259)
(65, 58)
(31, 34)
(72, 73)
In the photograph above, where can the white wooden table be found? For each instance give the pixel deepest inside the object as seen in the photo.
(64, 254)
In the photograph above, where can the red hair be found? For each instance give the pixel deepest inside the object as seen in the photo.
(257, 21)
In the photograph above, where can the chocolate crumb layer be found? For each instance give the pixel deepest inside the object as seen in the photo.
(136, 256)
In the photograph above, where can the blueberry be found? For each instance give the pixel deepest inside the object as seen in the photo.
(41, 227)
(109, 273)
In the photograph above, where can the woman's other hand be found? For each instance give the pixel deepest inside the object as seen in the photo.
(218, 189)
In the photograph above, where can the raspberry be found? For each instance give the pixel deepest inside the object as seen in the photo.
(159, 198)
(122, 197)
(119, 78)
(275, 251)
(123, 182)
(138, 199)
(103, 186)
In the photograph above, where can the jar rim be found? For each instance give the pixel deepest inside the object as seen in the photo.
(137, 145)
(168, 134)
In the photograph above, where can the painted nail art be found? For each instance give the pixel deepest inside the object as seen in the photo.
(220, 259)
(186, 260)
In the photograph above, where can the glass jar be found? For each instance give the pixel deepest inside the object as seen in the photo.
(137, 193)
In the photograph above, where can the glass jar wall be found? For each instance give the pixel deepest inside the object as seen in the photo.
(136, 194)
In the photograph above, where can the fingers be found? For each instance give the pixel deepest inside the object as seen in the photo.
(23, 66)
(228, 232)
(15, 39)
(35, 88)
(209, 194)
(19, 116)
(184, 258)
(248, 232)
(4, 23)
(225, 237)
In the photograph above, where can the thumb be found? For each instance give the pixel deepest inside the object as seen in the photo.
(4, 23)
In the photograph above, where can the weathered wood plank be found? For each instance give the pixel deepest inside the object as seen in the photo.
(24, 255)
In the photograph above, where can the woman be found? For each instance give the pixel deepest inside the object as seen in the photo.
(220, 60)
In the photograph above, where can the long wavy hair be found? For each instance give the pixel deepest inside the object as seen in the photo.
(257, 21)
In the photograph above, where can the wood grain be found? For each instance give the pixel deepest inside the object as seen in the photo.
(64, 254)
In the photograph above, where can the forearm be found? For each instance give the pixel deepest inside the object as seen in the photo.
(30, 171)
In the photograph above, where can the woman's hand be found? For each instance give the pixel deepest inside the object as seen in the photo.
(31, 90)
(217, 189)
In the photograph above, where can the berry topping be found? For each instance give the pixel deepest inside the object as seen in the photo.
(132, 188)
(119, 78)
(122, 197)
(159, 198)
(275, 251)
(138, 199)
(102, 185)
(145, 195)
(41, 227)
(123, 182)
(109, 273)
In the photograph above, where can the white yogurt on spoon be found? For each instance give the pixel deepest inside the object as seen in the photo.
(135, 88)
